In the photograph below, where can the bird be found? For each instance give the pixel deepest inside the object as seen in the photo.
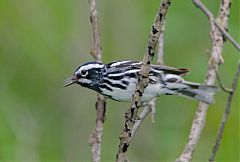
(117, 80)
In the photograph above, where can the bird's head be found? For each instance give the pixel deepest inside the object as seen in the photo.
(87, 75)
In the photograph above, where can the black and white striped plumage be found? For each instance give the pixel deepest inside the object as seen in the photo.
(117, 80)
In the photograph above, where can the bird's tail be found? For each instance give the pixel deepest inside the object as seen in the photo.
(198, 92)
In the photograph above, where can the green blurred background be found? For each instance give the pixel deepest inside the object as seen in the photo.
(43, 41)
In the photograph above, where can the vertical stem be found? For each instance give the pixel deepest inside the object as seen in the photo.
(96, 137)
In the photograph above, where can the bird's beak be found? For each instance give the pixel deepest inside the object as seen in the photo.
(70, 81)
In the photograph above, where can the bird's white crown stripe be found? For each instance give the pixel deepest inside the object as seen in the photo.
(90, 66)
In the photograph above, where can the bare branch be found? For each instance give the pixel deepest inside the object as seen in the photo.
(131, 114)
(225, 116)
(95, 139)
(221, 25)
(214, 61)
(151, 107)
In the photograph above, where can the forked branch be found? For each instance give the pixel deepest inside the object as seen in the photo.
(215, 60)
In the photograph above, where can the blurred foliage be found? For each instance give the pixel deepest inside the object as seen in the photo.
(43, 41)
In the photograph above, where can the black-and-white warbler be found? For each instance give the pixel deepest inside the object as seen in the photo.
(117, 80)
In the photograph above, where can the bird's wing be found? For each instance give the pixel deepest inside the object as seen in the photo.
(171, 70)
(122, 66)
(128, 65)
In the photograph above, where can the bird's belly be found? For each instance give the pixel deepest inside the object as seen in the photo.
(151, 91)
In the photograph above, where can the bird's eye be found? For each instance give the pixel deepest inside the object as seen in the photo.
(84, 72)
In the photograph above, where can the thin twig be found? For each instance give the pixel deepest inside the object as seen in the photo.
(200, 115)
(152, 104)
(228, 90)
(131, 114)
(160, 60)
(150, 108)
(146, 110)
(225, 116)
(220, 25)
(95, 139)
